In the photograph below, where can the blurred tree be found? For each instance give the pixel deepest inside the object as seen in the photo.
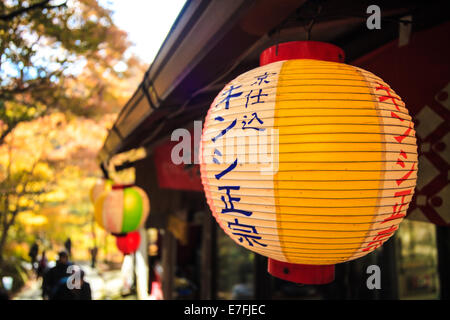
(25, 174)
(47, 167)
(45, 47)
(63, 76)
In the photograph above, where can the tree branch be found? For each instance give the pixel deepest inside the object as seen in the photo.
(19, 87)
(42, 5)
(5, 133)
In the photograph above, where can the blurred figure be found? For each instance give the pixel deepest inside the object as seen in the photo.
(73, 287)
(127, 272)
(33, 253)
(68, 246)
(3, 294)
(84, 291)
(94, 252)
(53, 276)
(184, 286)
(242, 290)
(43, 265)
(155, 292)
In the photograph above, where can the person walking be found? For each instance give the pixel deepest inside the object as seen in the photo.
(52, 277)
(42, 265)
(68, 246)
(33, 253)
(94, 252)
(73, 287)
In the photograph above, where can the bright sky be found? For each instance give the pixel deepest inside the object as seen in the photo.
(146, 21)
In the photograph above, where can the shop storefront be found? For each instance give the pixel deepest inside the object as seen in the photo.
(210, 44)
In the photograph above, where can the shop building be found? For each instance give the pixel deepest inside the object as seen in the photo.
(211, 43)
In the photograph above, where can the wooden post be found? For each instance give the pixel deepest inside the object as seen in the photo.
(262, 279)
(389, 272)
(209, 258)
(443, 246)
(169, 255)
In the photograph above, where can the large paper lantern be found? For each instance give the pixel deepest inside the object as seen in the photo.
(124, 209)
(129, 243)
(100, 186)
(308, 161)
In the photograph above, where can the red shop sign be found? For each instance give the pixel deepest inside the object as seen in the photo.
(177, 176)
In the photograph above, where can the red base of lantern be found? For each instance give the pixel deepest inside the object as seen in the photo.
(128, 243)
(301, 273)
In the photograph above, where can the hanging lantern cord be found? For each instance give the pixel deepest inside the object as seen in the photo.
(311, 23)
(277, 41)
(308, 29)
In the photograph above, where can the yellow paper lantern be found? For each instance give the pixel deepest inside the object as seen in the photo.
(123, 209)
(308, 162)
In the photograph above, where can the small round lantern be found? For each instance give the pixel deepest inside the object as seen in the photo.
(124, 209)
(129, 243)
(308, 161)
(100, 186)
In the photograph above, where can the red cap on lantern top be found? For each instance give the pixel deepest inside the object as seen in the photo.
(301, 273)
(129, 243)
(302, 50)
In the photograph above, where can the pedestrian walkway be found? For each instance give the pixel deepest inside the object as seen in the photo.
(105, 285)
(31, 291)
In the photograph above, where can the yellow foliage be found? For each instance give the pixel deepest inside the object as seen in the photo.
(56, 196)
(29, 218)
